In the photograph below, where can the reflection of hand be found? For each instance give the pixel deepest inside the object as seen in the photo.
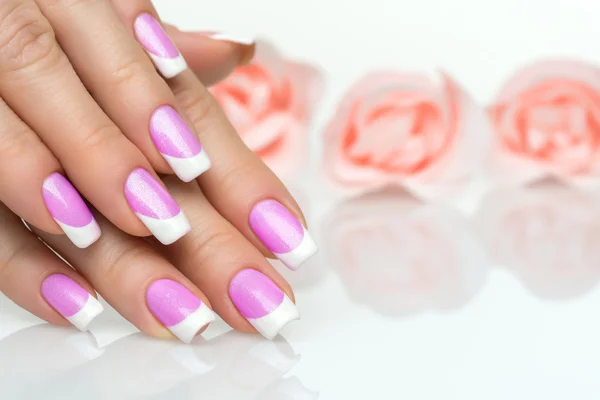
(399, 256)
(546, 235)
(229, 366)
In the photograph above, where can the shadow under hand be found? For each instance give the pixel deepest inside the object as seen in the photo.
(45, 362)
(547, 234)
(400, 256)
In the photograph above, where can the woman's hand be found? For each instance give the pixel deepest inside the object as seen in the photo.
(153, 286)
(80, 97)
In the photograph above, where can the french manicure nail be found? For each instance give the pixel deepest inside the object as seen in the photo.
(178, 309)
(70, 211)
(282, 233)
(262, 302)
(178, 144)
(155, 207)
(244, 40)
(159, 47)
(71, 300)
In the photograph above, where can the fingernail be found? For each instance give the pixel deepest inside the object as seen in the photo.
(248, 43)
(178, 309)
(178, 144)
(70, 211)
(261, 302)
(160, 48)
(282, 233)
(71, 300)
(155, 207)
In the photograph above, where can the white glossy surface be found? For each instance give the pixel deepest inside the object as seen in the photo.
(384, 316)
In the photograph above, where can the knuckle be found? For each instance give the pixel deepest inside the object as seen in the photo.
(120, 262)
(129, 71)
(99, 138)
(235, 174)
(209, 242)
(200, 106)
(17, 145)
(13, 257)
(26, 38)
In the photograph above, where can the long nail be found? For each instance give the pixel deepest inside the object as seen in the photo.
(71, 300)
(159, 47)
(282, 233)
(248, 45)
(262, 302)
(155, 207)
(178, 309)
(70, 211)
(178, 144)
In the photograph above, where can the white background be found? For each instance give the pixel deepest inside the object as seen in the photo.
(505, 343)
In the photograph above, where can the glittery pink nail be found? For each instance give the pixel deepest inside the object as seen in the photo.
(282, 233)
(261, 302)
(155, 207)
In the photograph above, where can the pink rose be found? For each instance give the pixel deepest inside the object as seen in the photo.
(547, 236)
(547, 122)
(413, 130)
(399, 256)
(270, 103)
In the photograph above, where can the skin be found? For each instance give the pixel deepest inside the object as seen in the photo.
(90, 121)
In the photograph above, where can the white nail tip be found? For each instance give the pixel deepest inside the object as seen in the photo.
(169, 67)
(83, 317)
(188, 169)
(82, 236)
(187, 329)
(168, 230)
(270, 325)
(305, 250)
(247, 41)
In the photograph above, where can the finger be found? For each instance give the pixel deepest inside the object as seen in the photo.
(244, 289)
(139, 283)
(96, 156)
(212, 56)
(37, 280)
(125, 84)
(240, 186)
(31, 187)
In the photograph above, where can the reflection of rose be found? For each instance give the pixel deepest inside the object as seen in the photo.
(547, 119)
(405, 129)
(547, 235)
(400, 257)
(270, 103)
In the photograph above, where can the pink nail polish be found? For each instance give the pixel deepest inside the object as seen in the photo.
(155, 207)
(178, 144)
(70, 211)
(160, 48)
(178, 309)
(71, 300)
(282, 233)
(262, 302)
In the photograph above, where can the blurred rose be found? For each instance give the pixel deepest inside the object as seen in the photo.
(406, 129)
(399, 256)
(548, 235)
(547, 121)
(270, 104)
